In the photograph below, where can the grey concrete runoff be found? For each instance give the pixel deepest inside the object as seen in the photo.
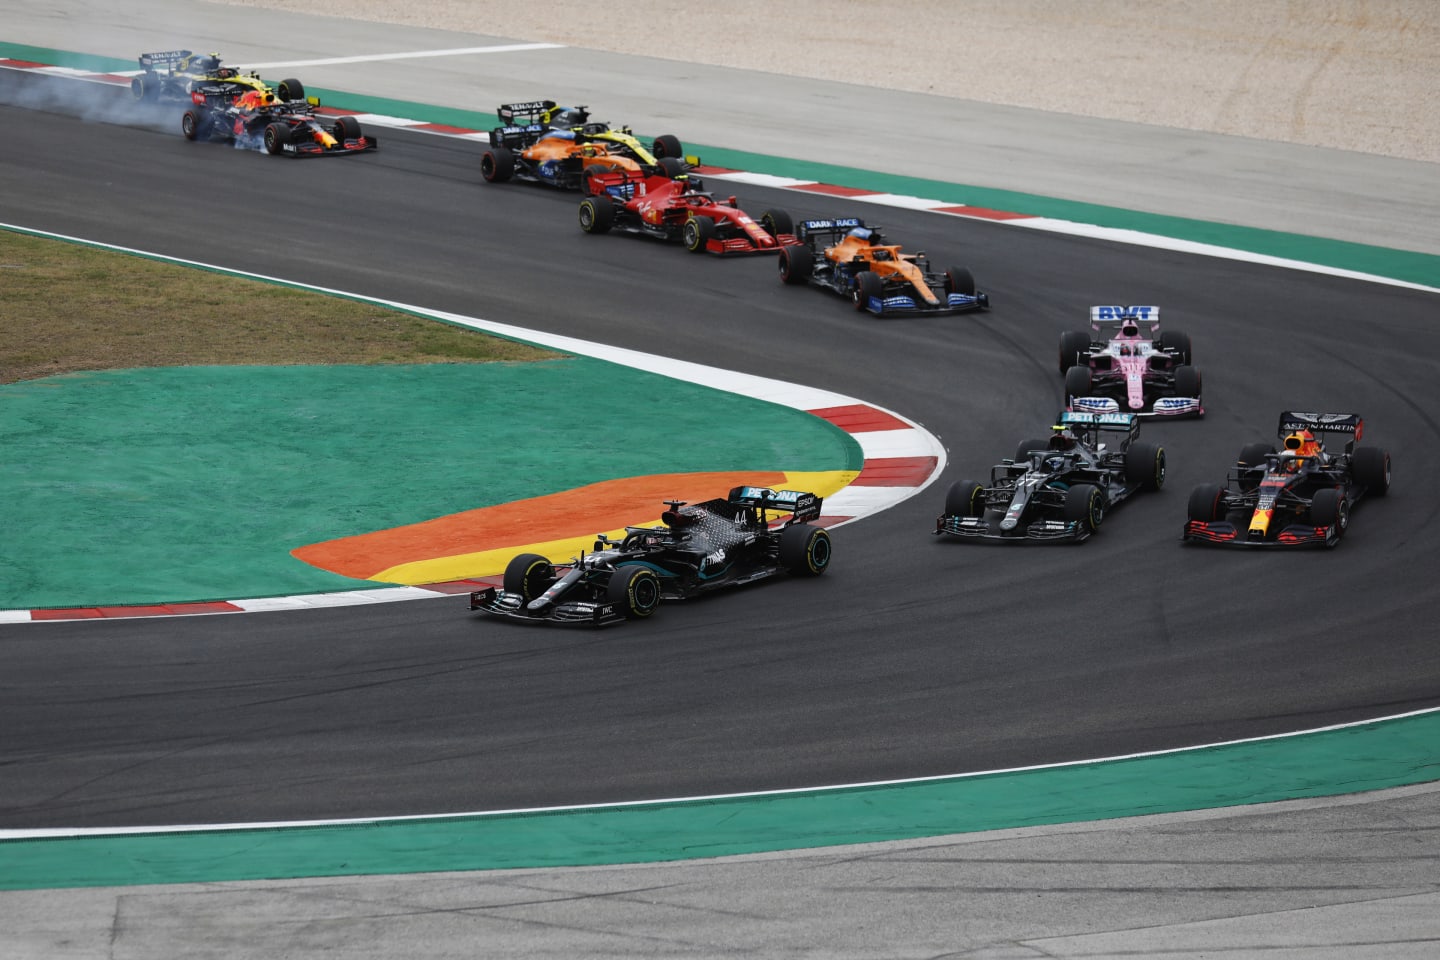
(1356, 877)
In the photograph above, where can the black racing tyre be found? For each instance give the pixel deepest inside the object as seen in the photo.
(497, 165)
(1086, 504)
(671, 166)
(1073, 345)
(776, 222)
(195, 124)
(290, 89)
(528, 576)
(597, 214)
(347, 128)
(276, 136)
(804, 549)
(1176, 341)
(868, 286)
(144, 87)
(1329, 509)
(959, 280)
(666, 147)
(796, 264)
(697, 232)
(1039, 443)
(1252, 456)
(1187, 381)
(1078, 381)
(635, 591)
(965, 498)
(1144, 464)
(1370, 467)
(1207, 503)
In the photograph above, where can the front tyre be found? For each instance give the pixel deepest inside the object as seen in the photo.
(290, 89)
(1078, 381)
(965, 498)
(804, 549)
(1329, 509)
(194, 124)
(635, 591)
(528, 576)
(1144, 464)
(869, 288)
(697, 233)
(777, 222)
(959, 280)
(1207, 503)
(276, 136)
(597, 214)
(1074, 344)
(1085, 504)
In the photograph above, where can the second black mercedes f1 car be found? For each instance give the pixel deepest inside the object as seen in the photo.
(700, 547)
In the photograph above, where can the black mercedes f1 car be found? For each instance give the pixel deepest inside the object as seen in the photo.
(1057, 488)
(1300, 496)
(700, 547)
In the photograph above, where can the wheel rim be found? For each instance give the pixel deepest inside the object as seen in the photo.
(587, 215)
(645, 594)
(819, 552)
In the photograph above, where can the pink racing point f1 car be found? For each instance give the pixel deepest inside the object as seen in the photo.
(1125, 364)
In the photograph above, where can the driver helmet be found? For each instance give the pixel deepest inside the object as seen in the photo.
(202, 62)
(566, 117)
(225, 73)
(862, 233)
(1054, 464)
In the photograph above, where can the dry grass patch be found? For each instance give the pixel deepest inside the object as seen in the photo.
(66, 307)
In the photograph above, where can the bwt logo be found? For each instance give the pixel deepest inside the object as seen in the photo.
(1123, 313)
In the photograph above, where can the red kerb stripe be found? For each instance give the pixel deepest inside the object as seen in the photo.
(860, 418)
(896, 471)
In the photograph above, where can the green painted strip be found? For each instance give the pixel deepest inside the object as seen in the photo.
(1409, 266)
(1368, 757)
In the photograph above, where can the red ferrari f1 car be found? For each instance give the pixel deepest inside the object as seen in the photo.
(679, 209)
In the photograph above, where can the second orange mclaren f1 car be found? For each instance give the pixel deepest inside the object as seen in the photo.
(847, 257)
(679, 208)
(528, 149)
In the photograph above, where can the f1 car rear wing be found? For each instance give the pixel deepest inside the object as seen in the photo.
(804, 506)
(1093, 423)
(833, 227)
(1347, 423)
(526, 113)
(167, 58)
(1113, 318)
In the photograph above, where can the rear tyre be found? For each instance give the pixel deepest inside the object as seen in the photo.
(1041, 443)
(276, 136)
(671, 167)
(635, 591)
(1329, 509)
(868, 286)
(597, 215)
(1176, 341)
(1145, 464)
(1073, 345)
(804, 549)
(1371, 469)
(796, 264)
(1078, 381)
(776, 222)
(1085, 504)
(194, 124)
(1187, 382)
(667, 146)
(697, 232)
(497, 164)
(290, 89)
(965, 498)
(1207, 503)
(528, 576)
(144, 87)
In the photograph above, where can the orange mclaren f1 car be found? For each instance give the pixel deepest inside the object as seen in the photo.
(846, 256)
(540, 153)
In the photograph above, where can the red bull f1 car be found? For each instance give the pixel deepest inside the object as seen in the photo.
(699, 548)
(1124, 362)
(845, 256)
(173, 75)
(679, 209)
(1058, 488)
(258, 121)
(1298, 496)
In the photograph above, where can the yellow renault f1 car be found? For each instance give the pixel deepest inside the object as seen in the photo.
(619, 141)
(175, 75)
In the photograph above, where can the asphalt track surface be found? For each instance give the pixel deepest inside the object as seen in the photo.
(994, 665)
(1006, 657)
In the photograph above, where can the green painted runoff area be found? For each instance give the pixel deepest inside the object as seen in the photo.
(1409, 266)
(1369, 757)
(194, 483)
